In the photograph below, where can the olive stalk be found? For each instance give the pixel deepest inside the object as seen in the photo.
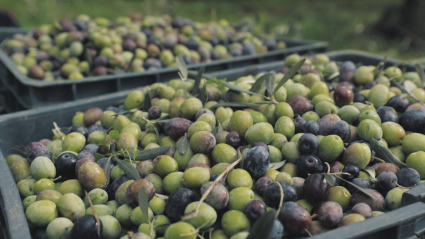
(94, 212)
(281, 199)
(194, 213)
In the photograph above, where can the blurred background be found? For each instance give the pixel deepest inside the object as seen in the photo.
(387, 27)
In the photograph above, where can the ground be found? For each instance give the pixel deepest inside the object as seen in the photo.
(345, 24)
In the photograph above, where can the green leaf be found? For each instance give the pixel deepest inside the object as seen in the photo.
(88, 57)
(136, 153)
(151, 153)
(263, 226)
(250, 70)
(157, 134)
(265, 103)
(147, 104)
(219, 127)
(214, 131)
(130, 63)
(421, 74)
(357, 187)
(203, 95)
(294, 69)
(329, 179)
(277, 165)
(238, 89)
(258, 83)
(198, 80)
(144, 202)
(384, 153)
(233, 104)
(183, 145)
(112, 148)
(107, 170)
(182, 66)
(128, 169)
(114, 134)
(193, 74)
(98, 156)
(271, 79)
(371, 171)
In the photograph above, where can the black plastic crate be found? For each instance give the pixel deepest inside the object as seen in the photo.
(35, 93)
(19, 129)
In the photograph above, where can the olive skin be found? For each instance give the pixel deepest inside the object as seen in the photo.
(413, 120)
(85, 228)
(295, 218)
(316, 188)
(256, 161)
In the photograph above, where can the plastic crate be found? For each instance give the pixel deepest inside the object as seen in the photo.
(37, 124)
(35, 93)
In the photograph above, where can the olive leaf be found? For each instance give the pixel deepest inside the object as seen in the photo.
(271, 80)
(357, 187)
(157, 134)
(147, 104)
(421, 74)
(151, 153)
(214, 131)
(182, 66)
(114, 134)
(276, 165)
(183, 144)
(294, 69)
(263, 226)
(238, 89)
(130, 63)
(128, 169)
(165, 197)
(193, 74)
(265, 103)
(384, 153)
(135, 153)
(258, 83)
(203, 95)
(329, 179)
(219, 127)
(251, 70)
(233, 104)
(198, 80)
(112, 148)
(98, 156)
(370, 171)
(143, 202)
(107, 170)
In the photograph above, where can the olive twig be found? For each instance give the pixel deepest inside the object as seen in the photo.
(55, 179)
(195, 212)
(197, 230)
(329, 167)
(309, 234)
(281, 199)
(58, 130)
(378, 159)
(151, 232)
(130, 234)
(181, 76)
(94, 213)
(148, 120)
(313, 216)
(395, 182)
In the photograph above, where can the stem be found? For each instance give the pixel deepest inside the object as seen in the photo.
(309, 234)
(58, 130)
(216, 181)
(402, 186)
(314, 216)
(55, 179)
(329, 167)
(148, 120)
(181, 76)
(94, 213)
(130, 234)
(281, 199)
(378, 159)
